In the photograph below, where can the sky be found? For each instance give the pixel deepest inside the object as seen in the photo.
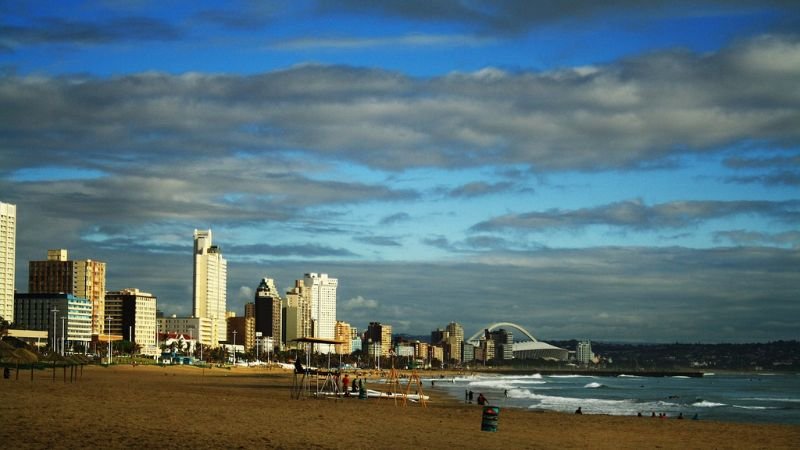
(614, 171)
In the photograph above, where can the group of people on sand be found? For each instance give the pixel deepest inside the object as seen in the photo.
(664, 416)
(347, 387)
(469, 396)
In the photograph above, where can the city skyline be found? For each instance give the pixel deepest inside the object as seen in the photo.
(620, 171)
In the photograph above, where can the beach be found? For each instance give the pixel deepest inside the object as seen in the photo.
(183, 407)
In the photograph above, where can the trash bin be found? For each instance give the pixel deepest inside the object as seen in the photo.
(490, 416)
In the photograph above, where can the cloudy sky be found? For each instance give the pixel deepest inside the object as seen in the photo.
(618, 170)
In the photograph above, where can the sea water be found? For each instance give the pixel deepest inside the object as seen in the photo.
(755, 398)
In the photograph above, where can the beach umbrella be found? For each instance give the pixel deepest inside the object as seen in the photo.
(17, 356)
(25, 356)
(55, 358)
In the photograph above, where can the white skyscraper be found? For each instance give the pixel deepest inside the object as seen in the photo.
(210, 285)
(323, 306)
(8, 240)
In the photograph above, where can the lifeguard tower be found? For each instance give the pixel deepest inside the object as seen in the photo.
(302, 383)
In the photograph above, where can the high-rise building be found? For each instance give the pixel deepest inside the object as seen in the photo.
(299, 298)
(323, 306)
(250, 310)
(133, 315)
(245, 328)
(8, 242)
(82, 278)
(379, 336)
(210, 284)
(343, 334)
(291, 326)
(268, 311)
(454, 342)
(583, 352)
(66, 317)
(503, 341)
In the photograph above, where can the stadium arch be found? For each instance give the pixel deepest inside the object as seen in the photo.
(531, 349)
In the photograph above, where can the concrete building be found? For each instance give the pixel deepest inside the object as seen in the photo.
(250, 309)
(421, 349)
(322, 295)
(291, 326)
(133, 315)
(81, 278)
(210, 284)
(355, 340)
(467, 353)
(66, 317)
(454, 342)
(268, 305)
(343, 333)
(200, 329)
(380, 334)
(583, 352)
(435, 354)
(8, 255)
(245, 328)
(299, 297)
(503, 344)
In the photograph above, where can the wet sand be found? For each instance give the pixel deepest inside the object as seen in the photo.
(183, 407)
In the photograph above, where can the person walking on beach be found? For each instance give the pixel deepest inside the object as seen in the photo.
(346, 385)
(470, 397)
(482, 400)
(505, 392)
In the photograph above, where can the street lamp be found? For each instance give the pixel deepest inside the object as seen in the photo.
(234, 347)
(54, 328)
(108, 336)
(258, 344)
(63, 342)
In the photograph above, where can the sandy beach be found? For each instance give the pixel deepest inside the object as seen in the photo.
(183, 407)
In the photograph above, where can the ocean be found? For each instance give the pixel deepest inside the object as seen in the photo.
(753, 398)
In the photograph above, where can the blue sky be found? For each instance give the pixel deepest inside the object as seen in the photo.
(605, 170)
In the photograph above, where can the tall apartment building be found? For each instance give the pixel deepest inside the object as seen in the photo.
(380, 336)
(8, 242)
(66, 317)
(268, 311)
(322, 293)
(583, 352)
(291, 326)
(299, 298)
(503, 344)
(81, 278)
(133, 316)
(454, 342)
(355, 340)
(250, 309)
(210, 285)
(245, 328)
(343, 334)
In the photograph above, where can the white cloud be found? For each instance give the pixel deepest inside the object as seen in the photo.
(245, 293)
(360, 303)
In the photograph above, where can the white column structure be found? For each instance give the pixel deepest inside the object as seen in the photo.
(8, 242)
(210, 285)
(322, 293)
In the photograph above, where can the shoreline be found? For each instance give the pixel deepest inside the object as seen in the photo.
(190, 407)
